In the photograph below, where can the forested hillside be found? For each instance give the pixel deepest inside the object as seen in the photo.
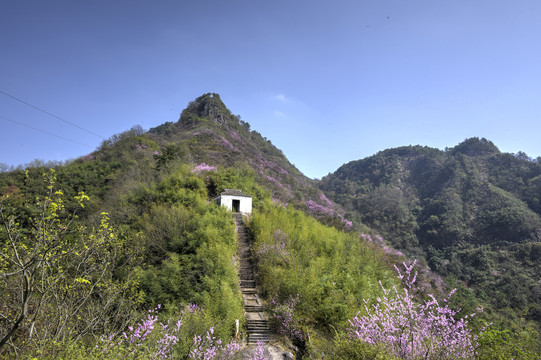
(96, 253)
(471, 211)
(92, 245)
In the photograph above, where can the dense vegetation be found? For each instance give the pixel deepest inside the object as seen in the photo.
(99, 251)
(316, 273)
(471, 211)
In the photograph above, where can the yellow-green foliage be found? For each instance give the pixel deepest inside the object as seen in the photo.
(332, 271)
(191, 244)
(504, 344)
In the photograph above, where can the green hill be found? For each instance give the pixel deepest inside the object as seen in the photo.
(97, 243)
(471, 211)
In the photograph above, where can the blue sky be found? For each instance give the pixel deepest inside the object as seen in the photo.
(326, 81)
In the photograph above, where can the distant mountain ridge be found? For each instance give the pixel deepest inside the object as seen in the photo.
(472, 211)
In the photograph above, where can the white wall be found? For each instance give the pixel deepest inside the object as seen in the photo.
(245, 203)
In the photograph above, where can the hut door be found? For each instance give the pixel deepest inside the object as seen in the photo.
(236, 205)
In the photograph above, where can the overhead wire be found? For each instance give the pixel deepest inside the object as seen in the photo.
(43, 131)
(50, 114)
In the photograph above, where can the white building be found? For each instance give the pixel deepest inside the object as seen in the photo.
(235, 200)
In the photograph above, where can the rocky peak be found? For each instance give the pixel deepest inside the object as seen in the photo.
(208, 106)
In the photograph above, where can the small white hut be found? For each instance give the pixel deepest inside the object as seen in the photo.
(235, 200)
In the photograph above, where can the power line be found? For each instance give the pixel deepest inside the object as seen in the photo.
(43, 131)
(53, 115)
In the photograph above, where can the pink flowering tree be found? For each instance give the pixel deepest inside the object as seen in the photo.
(410, 330)
(148, 338)
(207, 347)
(155, 340)
(203, 168)
(287, 323)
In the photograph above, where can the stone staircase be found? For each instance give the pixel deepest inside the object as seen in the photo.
(257, 325)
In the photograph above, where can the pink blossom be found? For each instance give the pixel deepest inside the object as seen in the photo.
(412, 331)
(226, 143)
(314, 207)
(323, 198)
(203, 167)
(235, 135)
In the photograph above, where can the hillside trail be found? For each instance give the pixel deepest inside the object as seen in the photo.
(257, 324)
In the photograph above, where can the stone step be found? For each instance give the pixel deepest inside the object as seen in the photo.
(251, 325)
(247, 283)
(255, 338)
(261, 333)
(257, 326)
(251, 329)
(252, 303)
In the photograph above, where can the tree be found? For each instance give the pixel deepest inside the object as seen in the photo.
(414, 331)
(56, 276)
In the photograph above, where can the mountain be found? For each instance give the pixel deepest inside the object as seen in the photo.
(131, 228)
(208, 134)
(471, 211)
(150, 236)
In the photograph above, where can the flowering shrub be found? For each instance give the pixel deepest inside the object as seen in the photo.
(323, 198)
(317, 209)
(208, 347)
(280, 203)
(259, 352)
(347, 223)
(226, 143)
(390, 251)
(235, 135)
(278, 250)
(203, 167)
(273, 180)
(284, 314)
(148, 339)
(314, 207)
(414, 331)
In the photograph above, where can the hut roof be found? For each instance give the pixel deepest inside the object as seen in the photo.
(234, 192)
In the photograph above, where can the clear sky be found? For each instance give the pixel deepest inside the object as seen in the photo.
(326, 81)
